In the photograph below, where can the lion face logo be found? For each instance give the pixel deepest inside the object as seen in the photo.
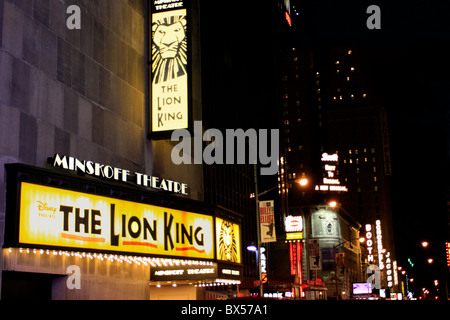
(169, 48)
(227, 242)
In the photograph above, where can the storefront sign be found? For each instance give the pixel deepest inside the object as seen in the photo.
(293, 223)
(118, 174)
(267, 220)
(315, 262)
(228, 241)
(169, 72)
(61, 218)
(174, 273)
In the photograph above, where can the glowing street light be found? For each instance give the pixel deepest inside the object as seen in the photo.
(332, 204)
(303, 182)
(424, 244)
(430, 261)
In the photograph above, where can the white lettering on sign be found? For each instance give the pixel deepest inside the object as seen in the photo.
(118, 174)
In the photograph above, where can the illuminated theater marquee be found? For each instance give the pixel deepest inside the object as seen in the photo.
(62, 218)
(169, 62)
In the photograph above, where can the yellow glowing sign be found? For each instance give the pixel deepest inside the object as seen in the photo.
(228, 241)
(62, 218)
(169, 71)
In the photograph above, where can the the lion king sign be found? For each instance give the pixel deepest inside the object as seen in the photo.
(169, 67)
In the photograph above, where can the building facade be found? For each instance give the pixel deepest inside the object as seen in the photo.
(78, 116)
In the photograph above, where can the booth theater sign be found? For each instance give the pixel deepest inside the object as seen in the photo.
(56, 217)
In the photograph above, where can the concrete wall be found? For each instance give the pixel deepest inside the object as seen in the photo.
(81, 93)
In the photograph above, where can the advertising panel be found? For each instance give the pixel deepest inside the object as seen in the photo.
(183, 272)
(267, 220)
(169, 68)
(228, 241)
(62, 218)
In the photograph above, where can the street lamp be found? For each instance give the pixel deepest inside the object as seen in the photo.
(303, 182)
(258, 227)
(333, 204)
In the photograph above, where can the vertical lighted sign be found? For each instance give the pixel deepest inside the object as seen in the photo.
(447, 252)
(169, 66)
(369, 244)
(379, 244)
(389, 273)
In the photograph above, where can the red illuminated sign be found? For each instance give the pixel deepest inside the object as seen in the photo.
(288, 18)
(295, 253)
(447, 250)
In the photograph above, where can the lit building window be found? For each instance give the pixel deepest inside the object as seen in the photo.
(349, 51)
(348, 78)
(349, 151)
(364, 95)
(337, 62)
(376, 188)
(352, 69)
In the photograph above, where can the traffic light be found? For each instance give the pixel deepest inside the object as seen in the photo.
(410, 262)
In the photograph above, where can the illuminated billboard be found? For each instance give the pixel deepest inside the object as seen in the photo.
(169, 66)
(228, 241)
(53, 217)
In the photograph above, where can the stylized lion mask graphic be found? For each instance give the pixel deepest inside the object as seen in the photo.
(169, 48)
(227, 242)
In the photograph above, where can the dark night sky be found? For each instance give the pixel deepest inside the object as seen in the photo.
(409, 65)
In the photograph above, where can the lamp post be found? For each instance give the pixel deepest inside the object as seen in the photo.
(258, 228)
